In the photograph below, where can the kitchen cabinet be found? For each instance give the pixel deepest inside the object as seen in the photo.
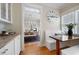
(17, 45)
(13, 47)
(8, 49)
(5, 12)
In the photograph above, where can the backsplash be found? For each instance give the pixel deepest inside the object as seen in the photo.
(2, 26)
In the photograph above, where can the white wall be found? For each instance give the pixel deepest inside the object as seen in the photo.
(16, 17)
(17, 20)
(2, 26)
(46, 25)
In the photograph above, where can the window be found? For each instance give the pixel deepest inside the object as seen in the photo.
(66, 19)
(77, 21)
(72, 17)
(31, 19)
(32, 10)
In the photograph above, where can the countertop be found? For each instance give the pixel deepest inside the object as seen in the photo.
(6, 39)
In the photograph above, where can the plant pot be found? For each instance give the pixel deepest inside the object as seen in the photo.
(70, 32)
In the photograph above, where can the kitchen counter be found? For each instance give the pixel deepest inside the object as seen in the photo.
(6, 39)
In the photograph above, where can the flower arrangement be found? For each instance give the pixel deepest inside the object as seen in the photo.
(70, 26)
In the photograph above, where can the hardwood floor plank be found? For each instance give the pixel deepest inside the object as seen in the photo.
(34, 49)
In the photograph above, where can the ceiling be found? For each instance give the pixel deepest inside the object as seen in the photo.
(53, 5)
(59, 5)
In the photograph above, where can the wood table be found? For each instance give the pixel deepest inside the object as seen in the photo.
(62, 38)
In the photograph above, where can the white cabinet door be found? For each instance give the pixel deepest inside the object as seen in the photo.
(17, 45)
(8, 49)
(5, 12)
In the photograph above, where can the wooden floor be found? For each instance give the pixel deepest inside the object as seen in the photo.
(34, 49)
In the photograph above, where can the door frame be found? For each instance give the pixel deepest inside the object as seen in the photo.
(33, 6)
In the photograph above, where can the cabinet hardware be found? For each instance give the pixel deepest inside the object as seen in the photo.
(5, 51)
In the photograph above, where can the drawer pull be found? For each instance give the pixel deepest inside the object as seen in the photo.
(5, 51)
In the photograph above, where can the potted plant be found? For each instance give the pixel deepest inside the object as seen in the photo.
(70, 27)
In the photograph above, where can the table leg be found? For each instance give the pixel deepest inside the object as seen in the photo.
(58, 50)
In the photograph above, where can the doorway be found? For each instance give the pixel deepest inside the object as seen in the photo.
(31, 25)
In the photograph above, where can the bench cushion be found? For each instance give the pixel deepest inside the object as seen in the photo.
(74, 50)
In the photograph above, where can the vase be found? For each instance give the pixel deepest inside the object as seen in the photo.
(70, 32)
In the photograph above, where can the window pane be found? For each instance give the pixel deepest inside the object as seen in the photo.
(78, 22)
(67, 19)
(3, 10)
